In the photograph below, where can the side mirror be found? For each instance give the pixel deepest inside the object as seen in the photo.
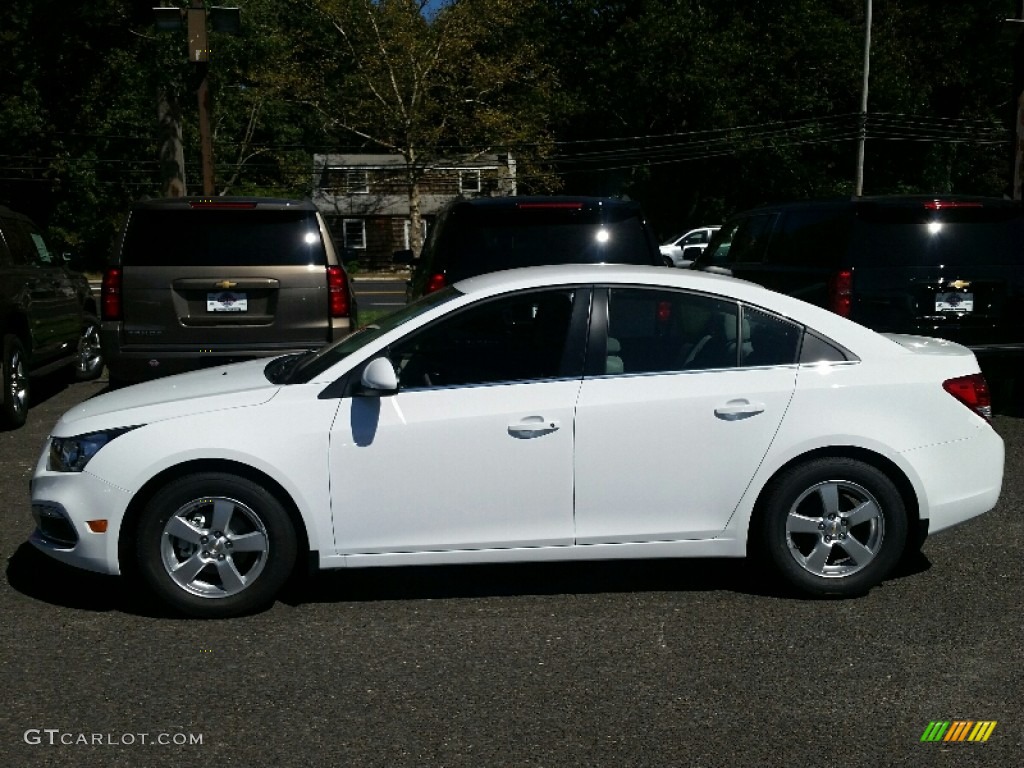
(404, 256)
(379, 378)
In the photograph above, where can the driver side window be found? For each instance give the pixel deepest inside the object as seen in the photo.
(514, 338)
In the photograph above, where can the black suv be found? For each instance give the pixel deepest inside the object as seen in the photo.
(47, 317)
(196, 282)
(945, 266)
(487, 234)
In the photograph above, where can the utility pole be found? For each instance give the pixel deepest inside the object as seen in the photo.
(195, 18)
(858, 186)
(1015, 27)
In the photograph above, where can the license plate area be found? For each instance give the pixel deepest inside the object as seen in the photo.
(954, 301)
(227, 301)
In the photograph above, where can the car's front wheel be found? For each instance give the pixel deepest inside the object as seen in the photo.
(14, 371)
(89, 361)
(833, 526)
(214, 545)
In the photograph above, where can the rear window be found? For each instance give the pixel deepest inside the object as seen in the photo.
(480, 240)
(886, 236)
(222, 238)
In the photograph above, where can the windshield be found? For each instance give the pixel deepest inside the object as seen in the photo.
(298, 369)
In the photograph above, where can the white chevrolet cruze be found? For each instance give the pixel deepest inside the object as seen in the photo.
(555, 413)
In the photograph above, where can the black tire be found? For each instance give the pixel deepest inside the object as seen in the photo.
(16, 383)
(197, 527)
(833, 526)
(89, 361)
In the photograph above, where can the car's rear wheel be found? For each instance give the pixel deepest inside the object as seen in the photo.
(214, 545)
(14, 408)
(833, 526)
(89, 361)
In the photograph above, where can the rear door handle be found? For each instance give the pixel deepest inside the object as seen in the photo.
(533, 426)
(734, 410)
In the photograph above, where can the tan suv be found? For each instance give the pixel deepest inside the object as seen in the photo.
(196, 282)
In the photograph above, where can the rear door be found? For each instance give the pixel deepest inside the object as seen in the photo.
(224, 277)
(673, 424)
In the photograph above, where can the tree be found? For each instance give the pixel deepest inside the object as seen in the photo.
(465, 82)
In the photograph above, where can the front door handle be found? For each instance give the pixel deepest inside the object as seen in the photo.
(734, 410)
(533, 426)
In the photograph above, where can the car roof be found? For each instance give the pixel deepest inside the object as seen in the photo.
(884, 201)
(273, 203)
(515, 201)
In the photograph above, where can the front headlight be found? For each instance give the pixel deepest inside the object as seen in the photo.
(71, 454)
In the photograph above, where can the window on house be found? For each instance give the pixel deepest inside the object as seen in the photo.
(354, 232)
(469, 181)
(345, 181)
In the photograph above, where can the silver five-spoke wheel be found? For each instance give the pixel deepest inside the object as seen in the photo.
(214, 547)
(215, 544)
(832, 525)
(835, 528)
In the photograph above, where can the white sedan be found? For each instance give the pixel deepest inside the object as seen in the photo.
(555, 413)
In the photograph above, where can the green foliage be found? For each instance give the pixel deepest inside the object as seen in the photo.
(695, 108)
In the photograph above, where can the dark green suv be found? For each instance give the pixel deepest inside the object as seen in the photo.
(47, 317)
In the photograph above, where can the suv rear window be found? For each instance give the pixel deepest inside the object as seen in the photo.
(215, 238)
(504, 238)
(887, 236)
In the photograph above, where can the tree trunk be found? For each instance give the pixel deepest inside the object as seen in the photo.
(172, 153)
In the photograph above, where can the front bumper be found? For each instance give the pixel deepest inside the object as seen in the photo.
(63, 503)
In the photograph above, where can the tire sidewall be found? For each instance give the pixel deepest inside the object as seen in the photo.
(12, 415)
(794, 482)
(281, 556)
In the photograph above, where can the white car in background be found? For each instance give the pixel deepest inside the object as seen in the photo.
(683, 249)
(532, 415)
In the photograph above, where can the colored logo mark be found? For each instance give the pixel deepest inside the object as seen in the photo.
(958, 730)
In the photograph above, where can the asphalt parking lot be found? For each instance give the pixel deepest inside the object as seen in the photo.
(629, 664)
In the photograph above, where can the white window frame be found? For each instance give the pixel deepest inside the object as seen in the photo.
(357, 181)
(347, 240)
(472, 174)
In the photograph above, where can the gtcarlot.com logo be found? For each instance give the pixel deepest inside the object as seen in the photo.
(958, 730)
(53, 737)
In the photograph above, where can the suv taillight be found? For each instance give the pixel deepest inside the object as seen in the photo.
(973, 392)
(337, 292)
(840, 292)
(110, 294)
(435, 282)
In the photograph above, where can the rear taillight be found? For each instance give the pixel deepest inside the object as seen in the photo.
(840, 292)
(435, 283)
(973, 392)
(337, 292)
(110, 294)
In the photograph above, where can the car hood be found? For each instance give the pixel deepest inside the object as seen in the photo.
(211, 389)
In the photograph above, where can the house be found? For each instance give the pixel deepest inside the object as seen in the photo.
(365, 198)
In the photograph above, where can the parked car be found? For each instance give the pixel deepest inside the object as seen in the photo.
(946, 266)
(196, 282)
(47, 317)
(532, 415)
(684, 248)
(487, 234)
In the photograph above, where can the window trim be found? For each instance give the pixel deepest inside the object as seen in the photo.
(470, 173)
(362, 234)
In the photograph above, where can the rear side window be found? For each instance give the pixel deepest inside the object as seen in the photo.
(905, 236)
(811, 237)
(740, 241)
(476, 241)
(222, 238)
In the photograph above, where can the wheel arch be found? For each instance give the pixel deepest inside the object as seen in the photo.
(133, 514)
(916, 531)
